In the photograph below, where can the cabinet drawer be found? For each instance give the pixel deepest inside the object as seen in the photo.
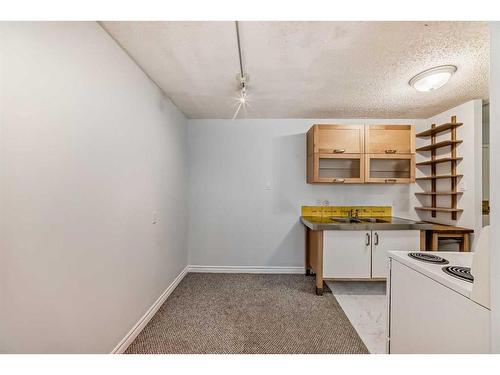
(390, 139)
(338, 139)
(389, 169)
(344, 168)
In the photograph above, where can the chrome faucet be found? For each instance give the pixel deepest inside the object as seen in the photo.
(353, 214)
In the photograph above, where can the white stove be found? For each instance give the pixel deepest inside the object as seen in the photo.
(438, 302)
(435, 270)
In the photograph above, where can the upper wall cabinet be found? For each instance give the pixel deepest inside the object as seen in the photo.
(361, 154)
(336, 139)
(390, 139)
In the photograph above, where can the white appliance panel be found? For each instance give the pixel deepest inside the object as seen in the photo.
(428, 317)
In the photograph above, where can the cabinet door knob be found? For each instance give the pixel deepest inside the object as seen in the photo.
(338, 151)
(390, 151)
(387, 180)
(367, 243)
(376, 238)
(341, 180)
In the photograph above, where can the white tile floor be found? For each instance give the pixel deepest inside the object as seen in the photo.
(364, 303)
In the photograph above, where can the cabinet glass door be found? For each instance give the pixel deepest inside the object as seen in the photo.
(339, 168)
(390, 168)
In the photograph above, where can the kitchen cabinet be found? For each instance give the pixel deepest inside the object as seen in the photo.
(390, 240)
(346, 254)
(390, 169)
(358, 254)
(351, 250)
(390, 139)
(336, 139)
(361, 154)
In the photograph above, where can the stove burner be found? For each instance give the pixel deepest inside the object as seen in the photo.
(462, 273)
(429, 258)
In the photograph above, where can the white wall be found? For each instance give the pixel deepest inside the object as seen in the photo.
(495, 183)
(234, 220)
(470, 114)
(89, 151)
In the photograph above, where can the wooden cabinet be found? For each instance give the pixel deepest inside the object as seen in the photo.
(344, 168)
(336, 139)
(390, 169)
(346, 254)
(354, 254)
(391, 240)
(361, 154)
(363, 254)
(390, 139)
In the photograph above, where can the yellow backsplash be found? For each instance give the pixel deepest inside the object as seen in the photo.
(343, 211)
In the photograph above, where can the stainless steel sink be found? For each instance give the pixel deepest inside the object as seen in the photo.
(373, 220)
(346, 220)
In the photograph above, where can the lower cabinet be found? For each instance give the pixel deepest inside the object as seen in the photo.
(346, 254)
(363, 254)
(391, 240)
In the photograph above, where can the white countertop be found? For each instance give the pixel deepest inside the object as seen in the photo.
(435, 272)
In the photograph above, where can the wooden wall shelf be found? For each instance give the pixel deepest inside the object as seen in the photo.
(439, 209)
(439, 129)
(438, 161)
(439, 193)
(453, 159)
(438, 177)
(434, 146)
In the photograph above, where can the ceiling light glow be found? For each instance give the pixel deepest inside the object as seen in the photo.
(242, 77)
(243, 94)
(432, 79)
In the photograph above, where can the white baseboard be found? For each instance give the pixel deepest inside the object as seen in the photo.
(139, 326)
(246, 269)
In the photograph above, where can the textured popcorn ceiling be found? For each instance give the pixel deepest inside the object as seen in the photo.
(309, 69)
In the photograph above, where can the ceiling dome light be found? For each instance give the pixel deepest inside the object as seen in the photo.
(432, 79)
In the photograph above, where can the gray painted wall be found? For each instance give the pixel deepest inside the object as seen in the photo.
(234, 219)
(90, 152)
(495, 182)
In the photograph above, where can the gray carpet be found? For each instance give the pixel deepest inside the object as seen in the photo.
(248, 313)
